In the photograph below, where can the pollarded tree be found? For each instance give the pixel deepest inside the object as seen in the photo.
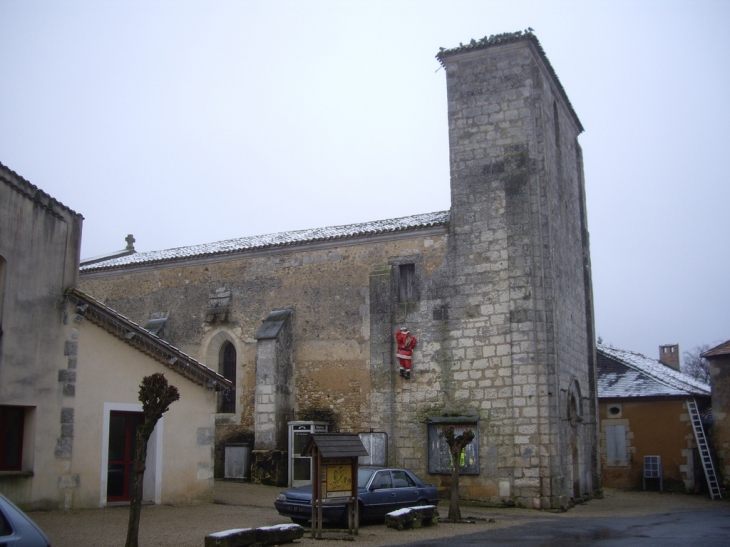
(456, 447)
(156, 396)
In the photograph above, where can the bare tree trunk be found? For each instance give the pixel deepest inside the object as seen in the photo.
(456, 447)
(454, 509)
(135, 506)
(156, 396)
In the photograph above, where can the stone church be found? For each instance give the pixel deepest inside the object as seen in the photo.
(497, 291)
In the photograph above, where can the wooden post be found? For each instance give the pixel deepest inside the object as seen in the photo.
(355, 512)
(319, 496)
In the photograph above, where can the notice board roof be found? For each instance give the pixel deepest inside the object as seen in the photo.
(335, 445)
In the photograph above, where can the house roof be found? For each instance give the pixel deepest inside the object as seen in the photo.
(506, 37)
(281, 239)
(623, 373)
(723, 350)
(143, 340)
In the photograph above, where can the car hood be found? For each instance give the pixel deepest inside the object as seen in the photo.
(303, 493)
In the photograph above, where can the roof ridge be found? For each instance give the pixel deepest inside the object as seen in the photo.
(165, 346)
(276, 239)
(676, 375)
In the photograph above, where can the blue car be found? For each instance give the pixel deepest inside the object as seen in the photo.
(380, 491)
(16, 528)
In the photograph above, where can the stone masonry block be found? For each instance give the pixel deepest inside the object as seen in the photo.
(69, 481)
(66, 376)
(206, 436)
(67, 415)
(71, 348)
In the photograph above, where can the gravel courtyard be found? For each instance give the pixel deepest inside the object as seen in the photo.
(242, 505)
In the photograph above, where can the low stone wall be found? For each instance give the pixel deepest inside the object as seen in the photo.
(267, 535)
(412, 517)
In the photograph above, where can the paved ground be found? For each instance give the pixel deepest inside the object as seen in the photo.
(621, 518)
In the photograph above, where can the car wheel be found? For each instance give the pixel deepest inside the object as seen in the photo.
(300, 521)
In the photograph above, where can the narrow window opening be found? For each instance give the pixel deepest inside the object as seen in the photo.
(228, 369)
(407, 283)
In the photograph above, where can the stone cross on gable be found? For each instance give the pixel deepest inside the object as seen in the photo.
(130, 242)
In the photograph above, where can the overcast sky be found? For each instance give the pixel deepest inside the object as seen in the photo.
(193, 122)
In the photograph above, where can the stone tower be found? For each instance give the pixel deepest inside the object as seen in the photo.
(520, 338)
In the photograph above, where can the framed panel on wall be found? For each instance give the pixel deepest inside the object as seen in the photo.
(439, 456)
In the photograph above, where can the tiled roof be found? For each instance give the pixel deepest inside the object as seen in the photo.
(718, 351)
(231, 246)
(624, 373)
(503, 38)
(145, 341)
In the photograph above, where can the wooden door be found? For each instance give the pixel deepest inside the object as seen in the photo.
(122, 445)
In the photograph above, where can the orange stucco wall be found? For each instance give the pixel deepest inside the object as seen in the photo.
(654, 427)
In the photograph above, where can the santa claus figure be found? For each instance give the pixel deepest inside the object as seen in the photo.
(406, 344)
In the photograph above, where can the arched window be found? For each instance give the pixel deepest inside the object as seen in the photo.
(227, 364)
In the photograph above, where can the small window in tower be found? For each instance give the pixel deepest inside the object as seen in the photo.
(407, 283)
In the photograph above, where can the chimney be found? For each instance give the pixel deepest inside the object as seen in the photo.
(669, 355)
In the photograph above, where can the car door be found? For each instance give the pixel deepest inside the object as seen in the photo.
(382, 496)
(406, 490)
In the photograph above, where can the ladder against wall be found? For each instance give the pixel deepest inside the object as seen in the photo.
(703, 447)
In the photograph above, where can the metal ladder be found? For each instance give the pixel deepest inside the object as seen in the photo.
(694, 415)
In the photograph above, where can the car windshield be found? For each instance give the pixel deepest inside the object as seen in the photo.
(363, 476)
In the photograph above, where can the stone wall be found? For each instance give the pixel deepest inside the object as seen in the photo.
(327, 287)
(40, 240)
(720, 436)
(519, 338)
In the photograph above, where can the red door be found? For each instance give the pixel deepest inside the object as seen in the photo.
(122, 429)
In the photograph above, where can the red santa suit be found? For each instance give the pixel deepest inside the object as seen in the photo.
(406, 344)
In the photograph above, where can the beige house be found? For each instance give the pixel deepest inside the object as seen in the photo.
(70, 368)
(114, 355)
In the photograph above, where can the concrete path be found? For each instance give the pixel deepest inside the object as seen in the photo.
(621, 518)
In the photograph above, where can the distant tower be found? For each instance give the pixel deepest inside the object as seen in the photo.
(521, 267)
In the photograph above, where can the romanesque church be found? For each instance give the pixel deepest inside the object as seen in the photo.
(496, 290)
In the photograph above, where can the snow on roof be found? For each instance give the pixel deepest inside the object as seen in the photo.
(230, 246)
(623, 373)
